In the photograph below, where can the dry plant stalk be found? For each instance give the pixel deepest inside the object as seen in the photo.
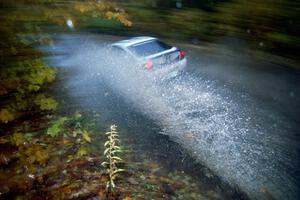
(112, 159)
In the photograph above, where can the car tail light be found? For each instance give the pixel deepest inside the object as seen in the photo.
(148, 64)
(181, 54)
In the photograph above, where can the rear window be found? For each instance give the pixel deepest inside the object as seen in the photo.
(149, 48)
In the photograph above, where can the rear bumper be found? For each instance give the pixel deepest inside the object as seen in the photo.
(172, 68)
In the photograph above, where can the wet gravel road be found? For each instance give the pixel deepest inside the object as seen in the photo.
(238, 115)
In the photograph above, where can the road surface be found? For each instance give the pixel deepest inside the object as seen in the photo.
(238, 115)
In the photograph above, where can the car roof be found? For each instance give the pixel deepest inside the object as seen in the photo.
(133, 41)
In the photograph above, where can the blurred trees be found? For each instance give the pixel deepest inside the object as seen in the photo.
(267, 25)
(207, 5)
(23, 74)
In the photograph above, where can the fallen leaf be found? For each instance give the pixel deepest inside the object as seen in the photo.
(86, 136)
(82, 151)
(65, 142)
(188, 135)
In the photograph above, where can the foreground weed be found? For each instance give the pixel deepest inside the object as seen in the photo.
(112, 159)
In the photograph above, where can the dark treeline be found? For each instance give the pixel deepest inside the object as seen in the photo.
(267, 25)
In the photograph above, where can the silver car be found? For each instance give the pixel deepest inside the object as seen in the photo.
(153, 55)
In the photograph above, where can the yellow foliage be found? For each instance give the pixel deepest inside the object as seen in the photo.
(38, 74)
(18, 139)
(36, 154)
(82, 7)
(6, 115)
(109, 15)
(20, 80)
(45, 103)
(82, 151)
(102, 9)
(22, 73)
(31, 153)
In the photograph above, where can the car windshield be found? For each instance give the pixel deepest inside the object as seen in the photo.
(149, 48)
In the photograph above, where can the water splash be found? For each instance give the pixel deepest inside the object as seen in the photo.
(247, 144)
